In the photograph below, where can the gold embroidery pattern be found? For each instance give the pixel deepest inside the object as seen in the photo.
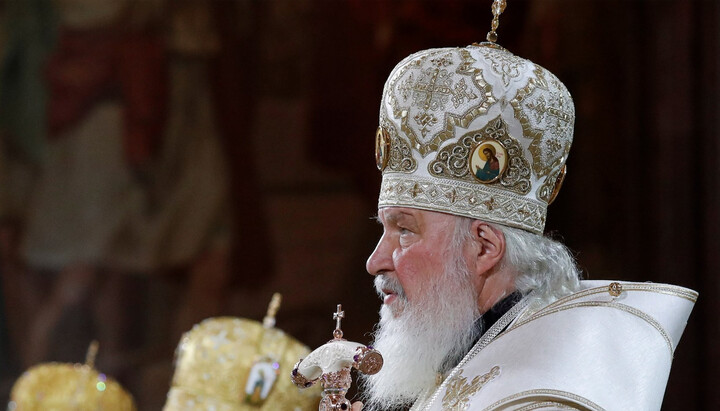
(566, 303)
(666, 289)
(628, 309)
(546, 392)
(546, 113)
(546, 190)
(507, 65)
(486, 339)
(452, 160)
(546, 405)
(466, 199)
(459, 391)
(423, 88)
(401, 158)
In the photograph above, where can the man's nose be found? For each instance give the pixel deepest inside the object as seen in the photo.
(380, 261)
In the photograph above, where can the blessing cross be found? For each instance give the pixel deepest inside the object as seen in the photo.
(338, 317)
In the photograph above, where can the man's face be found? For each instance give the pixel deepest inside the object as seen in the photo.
(413, 248)
(430, 303)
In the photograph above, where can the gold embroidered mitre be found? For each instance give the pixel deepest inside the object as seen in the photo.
(60, 387)
(475, 132)
(235, 364)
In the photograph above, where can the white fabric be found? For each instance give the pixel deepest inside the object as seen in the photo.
(589, 350)
(331, 357)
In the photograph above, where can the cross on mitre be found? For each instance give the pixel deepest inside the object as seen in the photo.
(338, 317)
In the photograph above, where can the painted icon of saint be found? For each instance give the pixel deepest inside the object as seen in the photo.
(382, 147)
(261, 380)
(491, 169)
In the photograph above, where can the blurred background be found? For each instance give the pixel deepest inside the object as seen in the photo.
(165, 161)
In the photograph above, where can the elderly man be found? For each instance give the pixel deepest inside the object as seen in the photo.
(480, 310)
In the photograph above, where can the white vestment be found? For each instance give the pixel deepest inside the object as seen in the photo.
(592, 350)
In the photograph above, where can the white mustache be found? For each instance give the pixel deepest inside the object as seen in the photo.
(385, 282)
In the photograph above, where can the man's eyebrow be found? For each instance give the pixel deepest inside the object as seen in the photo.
(394, 217)
(399, 216)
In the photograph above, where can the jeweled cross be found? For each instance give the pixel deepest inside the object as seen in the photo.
(338, 317)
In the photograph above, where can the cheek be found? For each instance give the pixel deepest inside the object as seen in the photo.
(405, 271)
(413, 268)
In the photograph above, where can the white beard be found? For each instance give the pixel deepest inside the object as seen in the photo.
(416, 344)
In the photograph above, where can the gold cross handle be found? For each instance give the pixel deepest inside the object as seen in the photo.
(92, 354)
(498, 7)
(269, 320)
(338, 317)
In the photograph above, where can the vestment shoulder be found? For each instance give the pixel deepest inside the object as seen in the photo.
(606, 347)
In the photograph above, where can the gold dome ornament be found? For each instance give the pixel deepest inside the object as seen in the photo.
(236, 364)
(71, 387)
(331, 364)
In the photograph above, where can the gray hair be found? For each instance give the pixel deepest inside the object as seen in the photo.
(540, 264)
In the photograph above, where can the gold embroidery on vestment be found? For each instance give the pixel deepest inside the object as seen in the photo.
(454, 159)
(459, 391)
(400, 155)
(550, 189)
(547, 119)
(546, 392)
(628, 309)
(507, 65)
(424, 97)
(470, 200)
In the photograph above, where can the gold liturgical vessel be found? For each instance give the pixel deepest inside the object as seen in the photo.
(236, 364)
(69, 387)
(332, 363)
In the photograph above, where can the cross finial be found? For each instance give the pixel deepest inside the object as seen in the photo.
(338, 317)
(498, 7)
(92, 354)
(269, 320)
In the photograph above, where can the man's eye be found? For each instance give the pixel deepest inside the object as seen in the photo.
(404, 231)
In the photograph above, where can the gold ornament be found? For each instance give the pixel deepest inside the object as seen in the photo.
(236, 364)
(71, 387)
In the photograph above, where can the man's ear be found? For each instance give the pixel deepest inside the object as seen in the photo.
(490, 246)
